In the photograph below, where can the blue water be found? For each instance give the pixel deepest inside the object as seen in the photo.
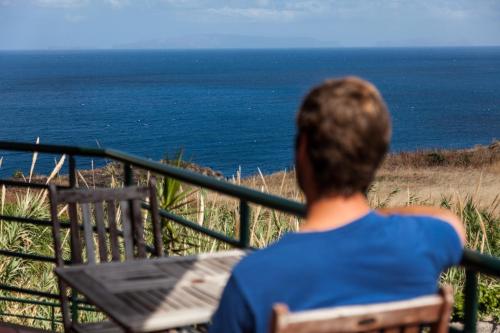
(236, 107)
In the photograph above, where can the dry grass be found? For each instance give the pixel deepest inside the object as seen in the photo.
(424, 176)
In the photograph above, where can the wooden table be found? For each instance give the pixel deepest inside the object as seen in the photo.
(155, 294)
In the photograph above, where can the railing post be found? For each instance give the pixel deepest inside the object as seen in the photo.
(52, 319)
(74, 294)
(128, 175)
(244, 224)
(471, 301)
(72, 171)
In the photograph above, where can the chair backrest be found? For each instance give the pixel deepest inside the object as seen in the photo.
(404, 316)
(118, 222)
(113, 215)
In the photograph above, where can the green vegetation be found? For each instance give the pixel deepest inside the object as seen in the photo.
(483, 234)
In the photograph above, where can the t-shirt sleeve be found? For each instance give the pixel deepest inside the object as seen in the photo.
(234, 314)
(443, 241)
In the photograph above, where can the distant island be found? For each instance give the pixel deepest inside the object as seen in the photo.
(221, 41)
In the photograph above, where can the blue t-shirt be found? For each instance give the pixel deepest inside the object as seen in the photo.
(373, 259)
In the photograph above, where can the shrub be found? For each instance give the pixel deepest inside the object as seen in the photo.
(435, 159)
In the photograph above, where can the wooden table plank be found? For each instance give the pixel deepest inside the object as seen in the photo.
(155, 294)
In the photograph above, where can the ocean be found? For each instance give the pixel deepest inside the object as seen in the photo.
(231, 108)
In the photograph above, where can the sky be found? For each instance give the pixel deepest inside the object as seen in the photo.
(104, 24)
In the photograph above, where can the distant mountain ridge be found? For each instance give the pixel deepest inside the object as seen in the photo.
(204, 41)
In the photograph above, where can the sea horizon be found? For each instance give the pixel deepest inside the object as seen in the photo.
(360, 47)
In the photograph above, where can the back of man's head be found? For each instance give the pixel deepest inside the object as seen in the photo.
(347, 131)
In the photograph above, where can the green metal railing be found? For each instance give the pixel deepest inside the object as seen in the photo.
(473, 262)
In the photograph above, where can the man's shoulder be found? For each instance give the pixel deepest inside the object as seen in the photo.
(435, 215)
(411, 218)
(416, 222)
(436, 235)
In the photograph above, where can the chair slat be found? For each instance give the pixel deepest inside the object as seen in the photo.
(138, 229)
(101, 231)
(88, 233)
(56, 234)
(113, 231)
(76, 243)
(127, 230)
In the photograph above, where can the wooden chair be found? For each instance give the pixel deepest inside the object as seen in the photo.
(123, 210)
(404, 316)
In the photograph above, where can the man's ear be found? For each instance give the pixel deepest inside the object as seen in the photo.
(301, 162)
(301, 148)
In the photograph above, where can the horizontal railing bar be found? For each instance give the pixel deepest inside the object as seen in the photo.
(29, 291)
(481, 262)
(15, 183)
(189, 224)
(26, 301)
(187, 176)
(38, 222)
(30, 256)
(41, 303)
(211, 183)
(51, 149)
(30, 317)
(35, 302)
(34, 257)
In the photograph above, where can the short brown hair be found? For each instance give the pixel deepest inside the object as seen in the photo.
(348, 130)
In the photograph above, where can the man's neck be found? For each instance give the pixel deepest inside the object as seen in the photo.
(334, 212)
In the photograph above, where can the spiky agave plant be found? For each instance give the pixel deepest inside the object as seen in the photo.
(173, 197)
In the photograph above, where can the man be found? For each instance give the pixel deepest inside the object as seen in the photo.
(345, 253)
